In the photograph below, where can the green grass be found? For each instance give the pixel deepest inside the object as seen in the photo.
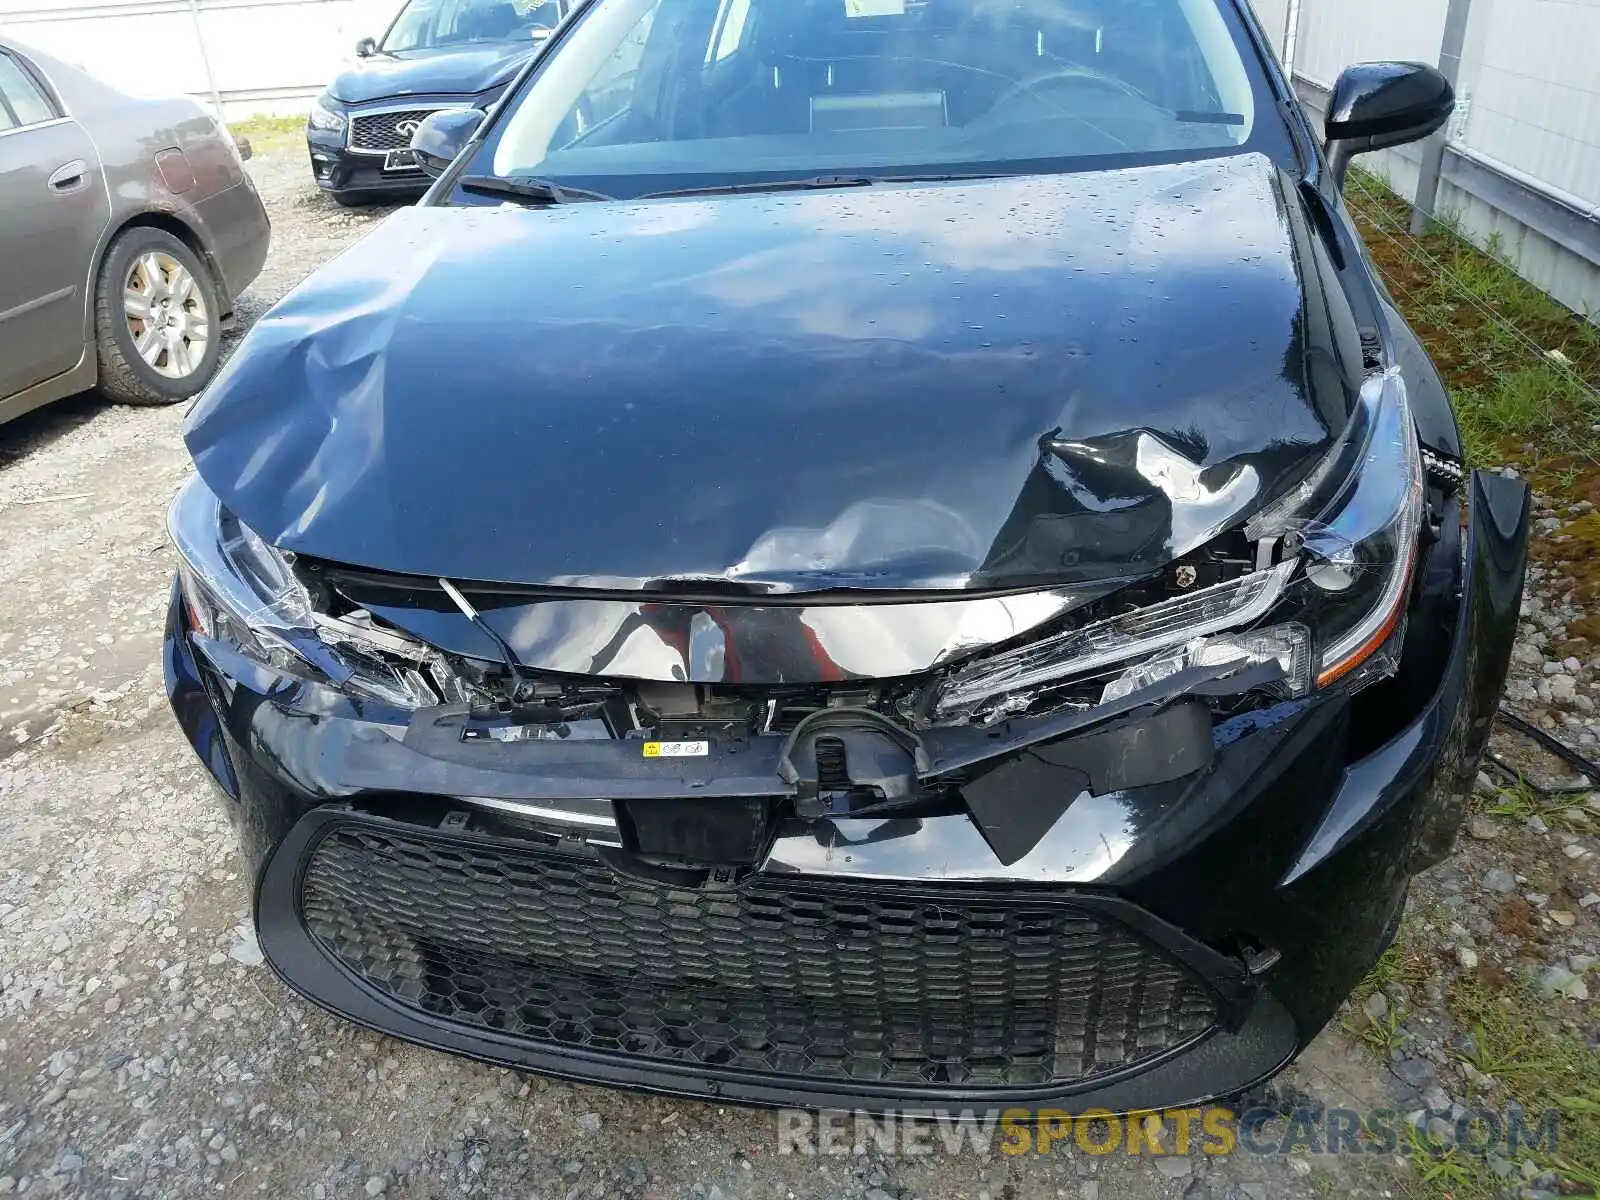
(1542, 1066)
(1520, 404)
(1399, 965)
(1519, 802)
(1382, 1034)
(1491, 333)
(1324, 1184)
(1446, 1173)
(265, 125)
(269, 133)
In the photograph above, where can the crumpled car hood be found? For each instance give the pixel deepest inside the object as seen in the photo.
(1020, 382)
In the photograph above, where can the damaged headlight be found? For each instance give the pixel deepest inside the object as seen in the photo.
(243, 593)
(1152, 633)
(1341, 551)
(1355, 521)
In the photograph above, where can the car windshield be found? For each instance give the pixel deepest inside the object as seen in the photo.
(654, 95)
(430, 24)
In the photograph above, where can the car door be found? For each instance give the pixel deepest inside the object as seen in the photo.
(54, 208)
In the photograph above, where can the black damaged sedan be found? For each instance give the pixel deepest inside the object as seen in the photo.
(865, 553)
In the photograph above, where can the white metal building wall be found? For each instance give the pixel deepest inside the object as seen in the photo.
(1274, 18)
(1531, 76)
(264, 56)
(1523, 164)
(1335, 33)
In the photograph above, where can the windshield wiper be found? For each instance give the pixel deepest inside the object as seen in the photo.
(527, 187)
(816, 182)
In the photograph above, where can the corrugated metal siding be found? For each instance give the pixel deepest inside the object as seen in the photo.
(1335, 33)
(1529, 101)
(147, 51)
(1531, 85)
(1549, 267)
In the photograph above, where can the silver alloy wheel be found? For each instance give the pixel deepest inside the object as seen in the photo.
(166, 313)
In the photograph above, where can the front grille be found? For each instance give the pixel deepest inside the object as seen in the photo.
(818, 980)
(381, 131)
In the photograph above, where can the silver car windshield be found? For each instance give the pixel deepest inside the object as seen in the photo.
(698, 88)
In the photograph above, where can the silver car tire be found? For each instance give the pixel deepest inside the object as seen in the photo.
(157, 320)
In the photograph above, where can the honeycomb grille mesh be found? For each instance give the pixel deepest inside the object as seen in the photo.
(867, 984)
(381, 131)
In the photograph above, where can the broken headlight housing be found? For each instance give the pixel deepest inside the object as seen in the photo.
(1338, 553)
(1355, 521)
(244, 594)
(1170, 633)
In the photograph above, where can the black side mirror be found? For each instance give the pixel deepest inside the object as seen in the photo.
(366, 47)
(1382, 104)
(443, 135)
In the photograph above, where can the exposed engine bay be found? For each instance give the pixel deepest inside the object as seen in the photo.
(839, 703)
(539, 705)
(910, 746)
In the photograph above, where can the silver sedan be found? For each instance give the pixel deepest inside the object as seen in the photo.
(129, 226)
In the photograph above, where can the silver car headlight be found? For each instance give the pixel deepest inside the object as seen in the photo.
(1329, 606)
(327, 119)
(243, 593)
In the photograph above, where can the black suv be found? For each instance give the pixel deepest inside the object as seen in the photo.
(438, 54)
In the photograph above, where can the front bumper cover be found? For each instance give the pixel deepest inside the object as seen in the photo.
(335, 167)
(1273, 875)
(850, 974)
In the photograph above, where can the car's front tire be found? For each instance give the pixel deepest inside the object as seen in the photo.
(156, 320)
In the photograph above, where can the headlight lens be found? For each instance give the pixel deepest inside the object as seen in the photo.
(1345, 550)
(1288, 645)
(325, 118)
(243, 593)
(1157, 630)
(1356, 524)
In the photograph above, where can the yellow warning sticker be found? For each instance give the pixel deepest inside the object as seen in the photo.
(677, 749)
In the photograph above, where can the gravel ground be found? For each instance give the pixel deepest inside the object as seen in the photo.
(145, 1050)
